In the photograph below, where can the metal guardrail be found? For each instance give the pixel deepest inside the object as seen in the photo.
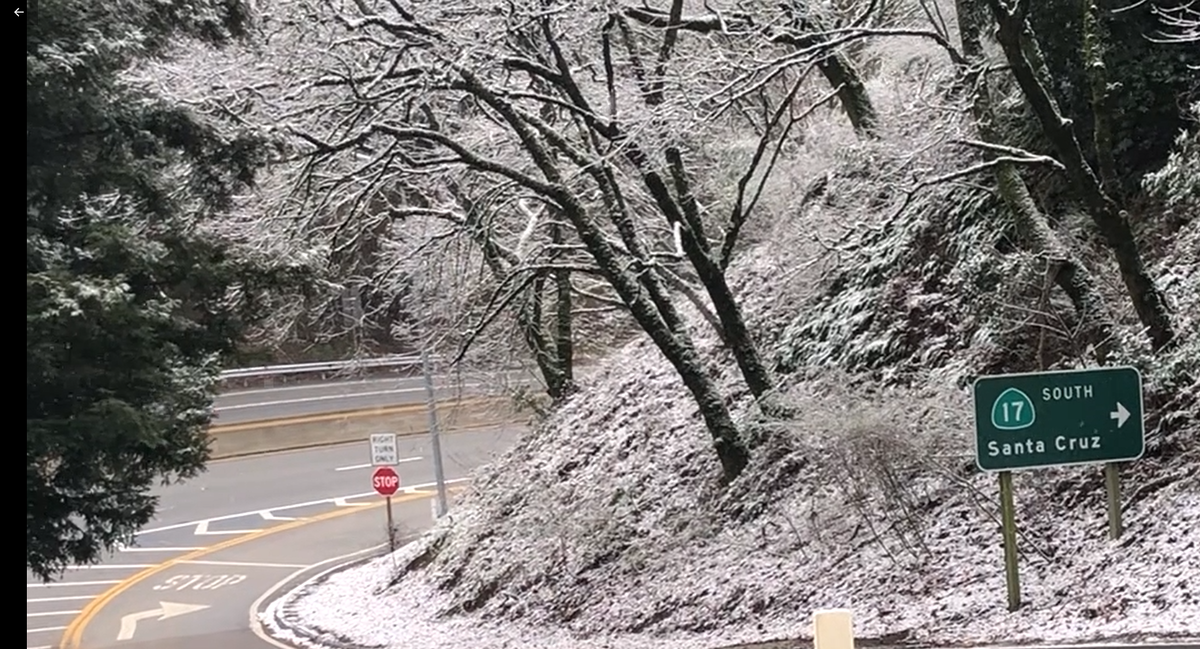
(272, 375)
(321, 368)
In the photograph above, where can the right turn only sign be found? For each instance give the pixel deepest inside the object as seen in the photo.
(1026, 421)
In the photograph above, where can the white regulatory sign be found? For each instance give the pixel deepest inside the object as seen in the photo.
(383, 449)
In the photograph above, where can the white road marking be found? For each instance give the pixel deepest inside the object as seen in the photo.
(254, 512)
(368, 465)
(165, 610)
(200, 582)
(45, 646)
(52, 613)
(113, 566)
(202, 530)
(268, 516)
(348, 395)
(58, 599)
(341, 502)
(60, 584)
(293, 388)
(45, 628)
(251, 564)
(188, 549)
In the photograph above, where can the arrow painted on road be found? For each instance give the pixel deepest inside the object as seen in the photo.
(164, 611)
(1120, 414)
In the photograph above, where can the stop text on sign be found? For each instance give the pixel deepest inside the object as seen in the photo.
(385, 481)
(1025, 421)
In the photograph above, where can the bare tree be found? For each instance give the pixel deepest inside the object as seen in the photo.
(797, 26)
(545, 318)
(1033, 228)
(1017, 40)
(516, 98)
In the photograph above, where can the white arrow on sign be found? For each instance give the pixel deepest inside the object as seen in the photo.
(1120, 414)
(165, 610)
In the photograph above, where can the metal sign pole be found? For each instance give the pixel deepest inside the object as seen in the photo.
(391, 526)
(434, 438)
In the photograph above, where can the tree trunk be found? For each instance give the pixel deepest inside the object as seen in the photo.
(738, 338)
(1113, 223)
(564, 344)
(1070, 274)
(838, 70)
(841, 74)
(529, 318)
(553, 358)
(736, 334)
(682, 212)
(675, 344)
(1102, 111)
(652, 310)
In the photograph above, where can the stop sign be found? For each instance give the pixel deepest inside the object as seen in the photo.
(385, 481)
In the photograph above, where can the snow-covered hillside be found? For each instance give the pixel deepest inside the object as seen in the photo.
(606, 524)
(606, 527)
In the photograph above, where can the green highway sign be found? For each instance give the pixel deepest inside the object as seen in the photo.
(1041, 419)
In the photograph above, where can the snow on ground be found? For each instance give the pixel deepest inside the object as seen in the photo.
(605, 529)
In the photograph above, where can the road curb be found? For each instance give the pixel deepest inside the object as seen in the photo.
(1116, 642)
(283, 615)
(283, 618)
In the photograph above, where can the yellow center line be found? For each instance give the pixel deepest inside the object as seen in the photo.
(359, 413)
(73, 635)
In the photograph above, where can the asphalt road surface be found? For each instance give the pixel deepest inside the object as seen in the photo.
(221, 540)
(293, 401)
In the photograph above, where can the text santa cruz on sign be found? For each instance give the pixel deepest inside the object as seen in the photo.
(1025, 421)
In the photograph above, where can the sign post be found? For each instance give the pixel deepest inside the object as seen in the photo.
(1063, 418)
(434, 436)
(1112, 494)
(386, 482)
(1008, 531)
(384, 454)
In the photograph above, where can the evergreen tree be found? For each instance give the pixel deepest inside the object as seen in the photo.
(131, 306)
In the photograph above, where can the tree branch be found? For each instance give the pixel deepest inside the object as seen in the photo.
(1012, 152)
(741, 209)
(694, 297)
(700, 24)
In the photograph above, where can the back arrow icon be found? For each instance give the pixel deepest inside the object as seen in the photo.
(18, 12)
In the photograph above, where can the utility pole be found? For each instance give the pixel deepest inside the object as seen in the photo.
(434, 438)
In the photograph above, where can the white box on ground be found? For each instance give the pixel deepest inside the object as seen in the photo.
(833, 629)
(383, 449)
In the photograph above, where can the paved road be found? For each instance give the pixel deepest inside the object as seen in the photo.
(292, 401)
(225, 537)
